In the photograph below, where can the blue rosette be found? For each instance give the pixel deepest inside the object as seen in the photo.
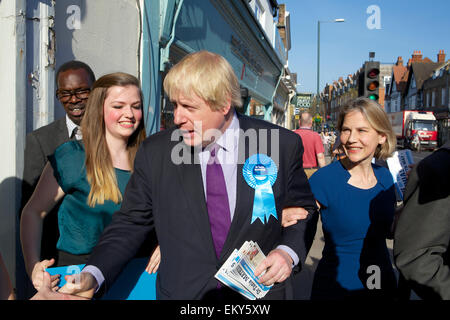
(260, 173)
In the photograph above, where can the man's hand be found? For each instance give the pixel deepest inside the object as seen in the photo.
(290, 216)
(277, 267)
(46, 291)
(81, 285)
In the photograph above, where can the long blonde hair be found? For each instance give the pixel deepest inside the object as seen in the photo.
(99, 168)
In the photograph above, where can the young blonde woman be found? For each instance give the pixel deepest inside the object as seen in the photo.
(89, 175)
(357, 206)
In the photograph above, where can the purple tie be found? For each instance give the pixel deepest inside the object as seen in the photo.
(217, 201)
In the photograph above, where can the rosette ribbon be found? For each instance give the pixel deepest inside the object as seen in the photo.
(260, 173)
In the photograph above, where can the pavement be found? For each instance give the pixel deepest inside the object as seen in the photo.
(303, 280)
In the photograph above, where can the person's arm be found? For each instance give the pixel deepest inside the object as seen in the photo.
(34, 163)
(290, 216)
(44, 198)
(321, 160)
(319, 151)
(299, 237)
(6, 289)
(422, 237)
(123, 237)
(278, 263)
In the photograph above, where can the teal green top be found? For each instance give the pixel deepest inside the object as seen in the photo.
(80, 226)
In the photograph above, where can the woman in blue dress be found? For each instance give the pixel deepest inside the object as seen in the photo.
(357, 205)
(89, 176)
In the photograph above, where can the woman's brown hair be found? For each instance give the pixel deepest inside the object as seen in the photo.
(99, 168)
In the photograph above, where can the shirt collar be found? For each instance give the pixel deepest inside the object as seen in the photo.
(229, 140)
(70, 125)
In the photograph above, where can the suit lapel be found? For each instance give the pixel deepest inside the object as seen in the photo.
(62, 129)
(192, 183)
(244, 194)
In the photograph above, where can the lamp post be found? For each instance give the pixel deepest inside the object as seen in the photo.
(318, 57)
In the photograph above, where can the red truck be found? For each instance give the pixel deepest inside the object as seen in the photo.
(415, 129)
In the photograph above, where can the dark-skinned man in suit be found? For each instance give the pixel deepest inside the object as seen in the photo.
(74, 80)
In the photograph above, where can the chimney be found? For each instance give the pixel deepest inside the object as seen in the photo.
(417, 56)
(281, 14)
(441, 56)
(399, 61)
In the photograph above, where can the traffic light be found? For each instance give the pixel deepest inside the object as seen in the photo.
(371, 82)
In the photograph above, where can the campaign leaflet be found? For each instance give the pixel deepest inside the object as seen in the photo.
(398, 166)
(238, 272)
(224, 276)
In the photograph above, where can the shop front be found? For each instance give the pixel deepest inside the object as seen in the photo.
(443, 120)
(227, 28)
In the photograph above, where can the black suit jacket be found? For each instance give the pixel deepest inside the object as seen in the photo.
(40, 144)
(422, 236)
(170, 198)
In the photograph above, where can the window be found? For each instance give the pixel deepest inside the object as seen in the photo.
(413, 82)
(433, 99)
(443, 97)
(424, 125)
(386, 81)
(412, 102)
(259, 12)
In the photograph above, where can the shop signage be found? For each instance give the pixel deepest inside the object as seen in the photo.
(244, 53)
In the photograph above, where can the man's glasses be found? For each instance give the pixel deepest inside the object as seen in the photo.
(66, 95)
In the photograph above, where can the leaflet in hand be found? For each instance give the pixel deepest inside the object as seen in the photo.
(398, 166)
(238, 272)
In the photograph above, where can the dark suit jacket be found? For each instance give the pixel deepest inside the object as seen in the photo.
(422, 236)
(40, 144)
(170, 198)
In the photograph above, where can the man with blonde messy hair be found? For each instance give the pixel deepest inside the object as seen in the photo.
(205, 207)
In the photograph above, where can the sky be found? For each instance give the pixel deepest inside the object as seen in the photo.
(402, 27)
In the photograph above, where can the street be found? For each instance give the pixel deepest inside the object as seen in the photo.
(420, 155)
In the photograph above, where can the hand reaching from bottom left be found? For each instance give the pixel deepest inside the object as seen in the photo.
(46, 292)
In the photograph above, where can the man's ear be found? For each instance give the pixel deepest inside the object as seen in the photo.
(226, 107)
